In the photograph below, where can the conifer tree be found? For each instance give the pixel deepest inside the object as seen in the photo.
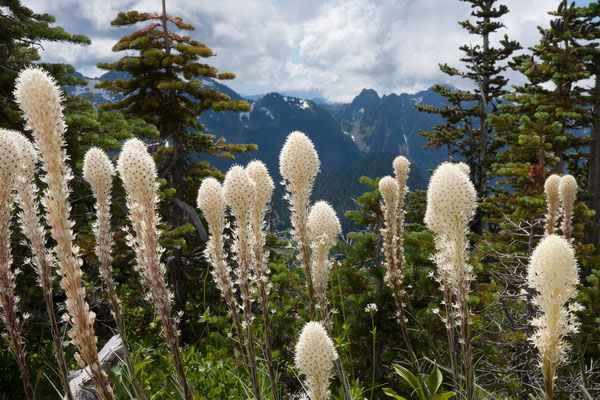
(589, 30)
(165, 89)
(22, 34)
(538, 133)
(466, 132)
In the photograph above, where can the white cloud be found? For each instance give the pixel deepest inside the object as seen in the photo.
(336, 46)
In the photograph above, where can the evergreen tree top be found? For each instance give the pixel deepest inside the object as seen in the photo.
(166, 70)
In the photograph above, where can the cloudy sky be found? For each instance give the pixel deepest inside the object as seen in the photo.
(326, 48)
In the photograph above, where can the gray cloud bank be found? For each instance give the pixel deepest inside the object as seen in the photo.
(336, 47)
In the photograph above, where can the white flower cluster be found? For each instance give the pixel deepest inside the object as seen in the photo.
(323, 227)
(298, 160)
(451, 200)
(98, 171)
(552, 199)
(553, 273)
(567, 191)
(39, 96)
(371, 308)
(314, 357)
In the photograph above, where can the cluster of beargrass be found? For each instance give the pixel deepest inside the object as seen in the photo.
(238, 257)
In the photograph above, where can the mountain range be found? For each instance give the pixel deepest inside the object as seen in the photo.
(352, 140)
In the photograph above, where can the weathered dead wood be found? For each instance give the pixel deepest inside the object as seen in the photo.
(80, 381)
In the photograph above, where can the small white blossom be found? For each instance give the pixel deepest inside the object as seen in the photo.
(371, 308)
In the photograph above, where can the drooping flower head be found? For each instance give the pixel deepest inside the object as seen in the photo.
(314, 357)
(298, 160)
(451, 200)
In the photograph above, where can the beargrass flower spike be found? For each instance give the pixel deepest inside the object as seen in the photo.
(40, 98)
(138, 173)
(239, 192)
(553, 273)
(34, 231)
(9, 301)
(567, 191)
(324, 228)
(212, 204)
(314, 357)
(299, 164)
(263, 183)
(451, 204)
(98, 171)
(552, 200)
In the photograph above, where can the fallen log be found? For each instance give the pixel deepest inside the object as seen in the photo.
(80, 381)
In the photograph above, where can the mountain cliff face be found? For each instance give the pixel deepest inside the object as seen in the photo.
(269, 122)
(393, 126)
(355, 139)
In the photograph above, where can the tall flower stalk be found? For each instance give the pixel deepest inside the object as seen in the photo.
(553, 273)
(323, 228)
(138, 173)
(258, 173)
(98, 171)
(212, 204)
(9, 301)
(239, 191)
(299, 164)
(392, 192)
(451, 203)
(31, 225)
(40, 99)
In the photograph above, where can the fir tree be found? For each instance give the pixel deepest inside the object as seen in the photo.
(165, 89)
(589, 30)
(466, 132)
(538, 133)
(22, 34)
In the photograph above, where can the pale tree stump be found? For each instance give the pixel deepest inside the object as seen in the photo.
(80, 381)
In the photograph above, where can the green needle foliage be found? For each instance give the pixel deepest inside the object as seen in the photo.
(166, 68)
(22, 34)
(466, 132)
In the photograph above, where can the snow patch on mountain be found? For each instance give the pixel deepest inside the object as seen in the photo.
(268, 112)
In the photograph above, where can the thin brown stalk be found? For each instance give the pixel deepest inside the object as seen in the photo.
(31, 225)
(138, 172)
(40, 99)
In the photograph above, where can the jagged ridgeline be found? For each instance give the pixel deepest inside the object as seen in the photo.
(356, 139)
